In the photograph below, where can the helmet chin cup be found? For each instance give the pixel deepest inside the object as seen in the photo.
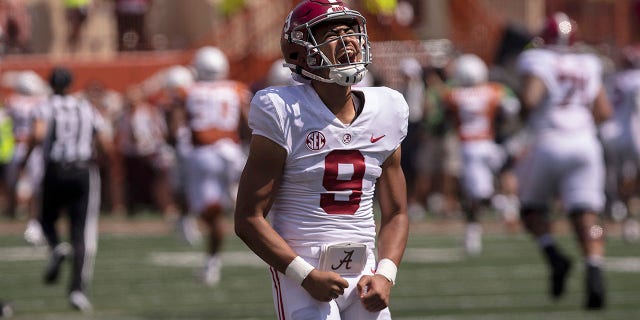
(349, 75)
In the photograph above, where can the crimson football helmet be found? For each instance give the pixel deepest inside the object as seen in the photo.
(301, 51)
(559, 29)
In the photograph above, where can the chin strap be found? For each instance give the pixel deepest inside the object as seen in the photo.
(335, 75)
(306, 73)
(350, 78)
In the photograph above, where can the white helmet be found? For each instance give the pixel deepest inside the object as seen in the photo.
(469, 70)
(210, 63)
(411, 68)
(178, 77)
(29, 83)
(279, 74)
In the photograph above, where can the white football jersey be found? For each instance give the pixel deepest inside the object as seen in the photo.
(331, 169)
(573, 80)
(477, 107)
(143, 131)
(21, 109)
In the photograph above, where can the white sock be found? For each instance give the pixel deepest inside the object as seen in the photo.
(212, 260)
(595, 261)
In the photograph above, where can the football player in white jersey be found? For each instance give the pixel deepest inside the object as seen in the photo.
(474, 106)
(564, 100)
(172, 97)
(214, 112)
(621, 140)
(30, 91)
(318, 152)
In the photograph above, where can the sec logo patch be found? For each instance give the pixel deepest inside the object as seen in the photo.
(315, 140)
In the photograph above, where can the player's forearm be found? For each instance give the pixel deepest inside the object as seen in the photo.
(392, 237)
(265, 242)
(531, 94)
(602, 108)
(394, 222)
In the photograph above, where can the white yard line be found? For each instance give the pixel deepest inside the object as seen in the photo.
(629, 264)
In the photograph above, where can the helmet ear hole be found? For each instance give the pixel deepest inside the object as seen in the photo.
(311, 61)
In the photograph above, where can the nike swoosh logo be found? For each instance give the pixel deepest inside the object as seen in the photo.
(374, 139)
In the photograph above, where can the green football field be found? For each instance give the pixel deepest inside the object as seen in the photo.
(144, 271)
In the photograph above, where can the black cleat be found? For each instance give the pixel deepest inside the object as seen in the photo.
(560, 267)
(57, 256)
(595, 289)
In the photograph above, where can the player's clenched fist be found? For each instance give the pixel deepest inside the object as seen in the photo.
(324, 285)
(374, 292)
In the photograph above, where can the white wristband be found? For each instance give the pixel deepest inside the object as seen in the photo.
(298, 270)
(387, 269)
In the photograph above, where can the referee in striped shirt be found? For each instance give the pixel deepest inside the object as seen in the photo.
(69, 129)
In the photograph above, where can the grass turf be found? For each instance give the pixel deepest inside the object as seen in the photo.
(153, 275)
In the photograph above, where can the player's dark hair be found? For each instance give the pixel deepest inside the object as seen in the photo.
(60, 79)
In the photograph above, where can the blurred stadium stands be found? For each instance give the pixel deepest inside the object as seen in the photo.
(250, 35)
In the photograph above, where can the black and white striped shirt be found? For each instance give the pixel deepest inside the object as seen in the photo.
(72, 124)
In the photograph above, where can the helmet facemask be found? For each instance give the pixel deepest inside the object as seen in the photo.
(349, 67)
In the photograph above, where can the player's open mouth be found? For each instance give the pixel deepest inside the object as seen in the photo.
(347, 56)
